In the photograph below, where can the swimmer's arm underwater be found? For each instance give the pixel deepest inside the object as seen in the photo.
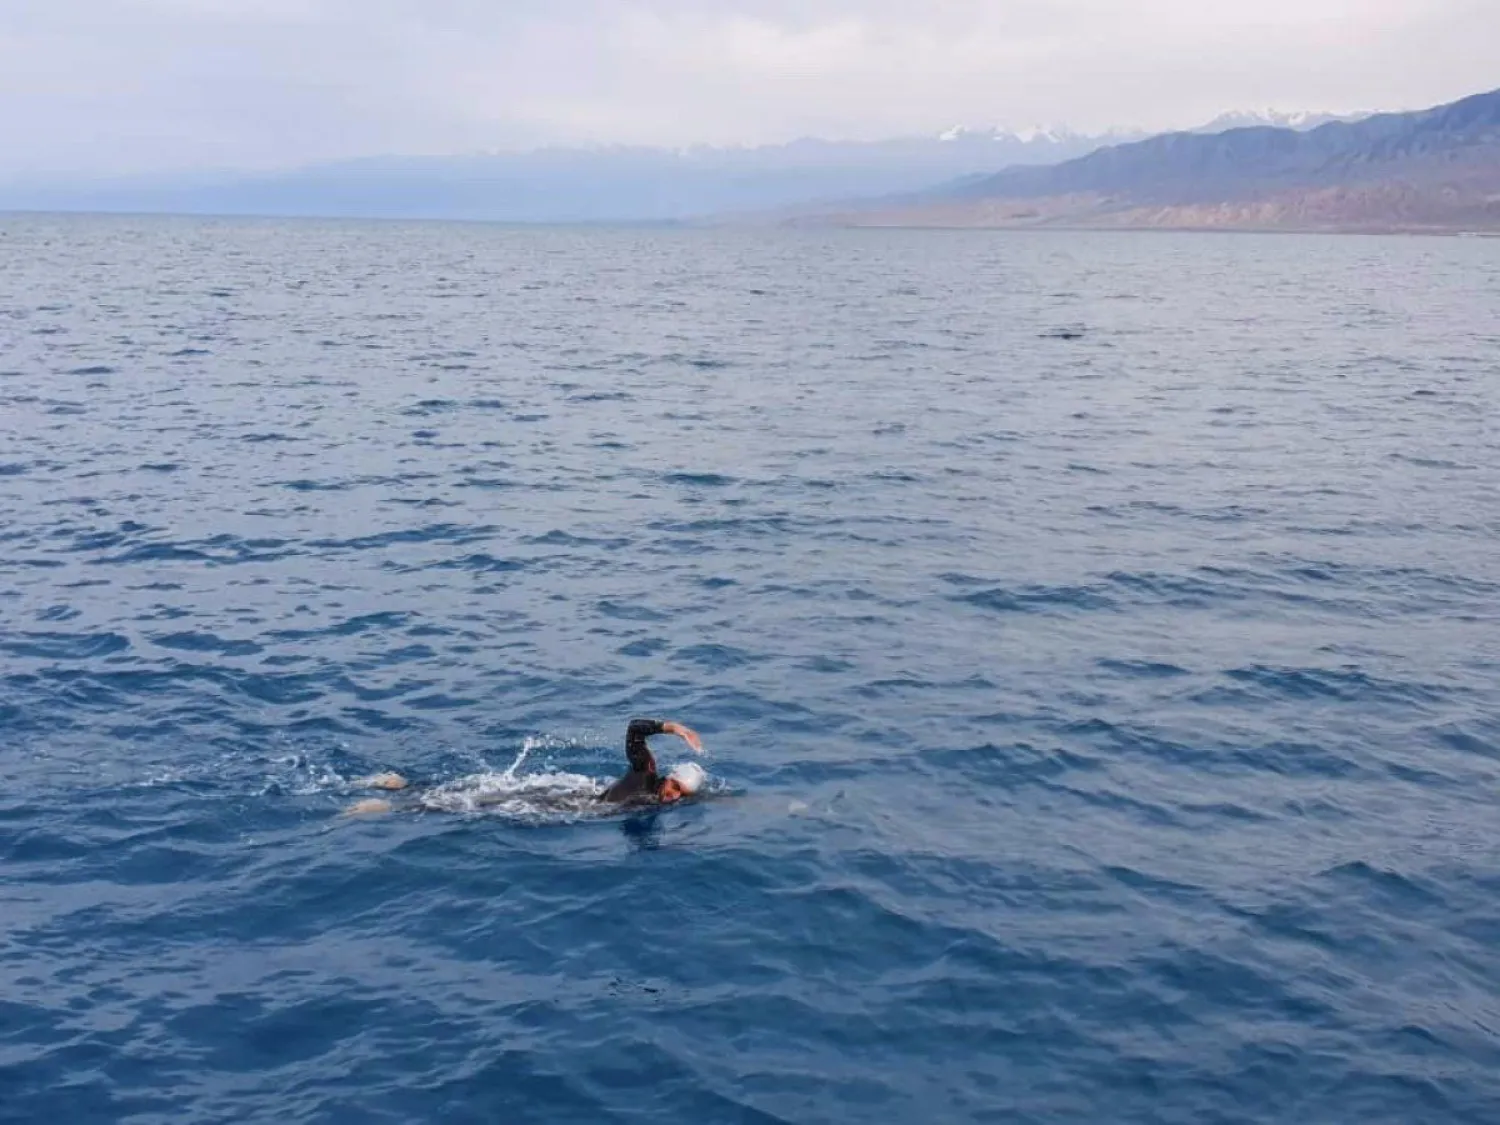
(373, 806)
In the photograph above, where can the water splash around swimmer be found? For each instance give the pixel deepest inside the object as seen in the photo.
(553, 795)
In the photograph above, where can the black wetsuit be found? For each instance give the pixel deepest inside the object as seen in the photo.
(641, 783)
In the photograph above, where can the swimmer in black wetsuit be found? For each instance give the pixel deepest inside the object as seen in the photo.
(643, 783)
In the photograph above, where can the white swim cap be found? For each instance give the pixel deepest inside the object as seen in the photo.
(689, 775)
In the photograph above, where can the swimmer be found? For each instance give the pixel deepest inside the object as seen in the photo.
(643, 784)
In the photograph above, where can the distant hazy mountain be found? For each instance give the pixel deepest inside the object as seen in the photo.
(576, 185)
(1437, 169)
(1276, 119)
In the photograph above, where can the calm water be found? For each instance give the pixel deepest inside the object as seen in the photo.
(1095, 637)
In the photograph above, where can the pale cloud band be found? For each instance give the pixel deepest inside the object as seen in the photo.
(156, 84)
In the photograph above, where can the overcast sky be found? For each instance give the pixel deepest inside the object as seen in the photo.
(164, 84)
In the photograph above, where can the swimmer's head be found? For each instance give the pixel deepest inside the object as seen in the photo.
(685, 779)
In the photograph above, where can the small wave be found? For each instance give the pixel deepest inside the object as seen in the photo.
(206, 642)
(433, 533)
(430, 406)
(1033, 599)
(481, 562)
(559, 538)
(64, 646)
(1349, 684)
(1148, 669)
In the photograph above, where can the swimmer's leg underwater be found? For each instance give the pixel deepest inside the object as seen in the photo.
(375, 806)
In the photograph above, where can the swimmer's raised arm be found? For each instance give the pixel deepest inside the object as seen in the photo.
(639, 730)
(687, 734)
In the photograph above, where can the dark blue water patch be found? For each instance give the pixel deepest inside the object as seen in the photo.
(714, 657)
(1011, 766)
(1433, 462)
(708, 480)
(437, 702)
(94, 369)
(489, 483)
(350, 627)
(432, 533)
(1146, 669)
(624, 611)
(1464, 739)
(481, 562)
(206, 642)
(367, 693)
(58, 613)
(1030, 598)
(1200, 589)
(217, 550)
(1382, 888)
(39, 564)
(63, 646)
(431, 406)
(560, 538)
(825, 665)
(1347, 684)
(307, 485)
(646, 646)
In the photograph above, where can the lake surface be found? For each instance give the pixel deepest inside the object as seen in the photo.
(1095, 637)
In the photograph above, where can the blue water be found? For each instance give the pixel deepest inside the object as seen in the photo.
(1095, 637)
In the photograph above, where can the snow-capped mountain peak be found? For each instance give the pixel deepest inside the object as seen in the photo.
(1300, 120)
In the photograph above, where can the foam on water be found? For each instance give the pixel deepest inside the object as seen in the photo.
(535, 797)
(547, 795)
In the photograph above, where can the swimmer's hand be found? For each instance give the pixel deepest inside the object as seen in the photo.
(687, 735)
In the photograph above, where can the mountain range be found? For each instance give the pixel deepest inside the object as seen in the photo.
(1432, 170)
(578, 184)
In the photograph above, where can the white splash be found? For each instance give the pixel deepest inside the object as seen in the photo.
(541, 796)
(545, 795)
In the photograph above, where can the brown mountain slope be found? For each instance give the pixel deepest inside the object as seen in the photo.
(1437, 170)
